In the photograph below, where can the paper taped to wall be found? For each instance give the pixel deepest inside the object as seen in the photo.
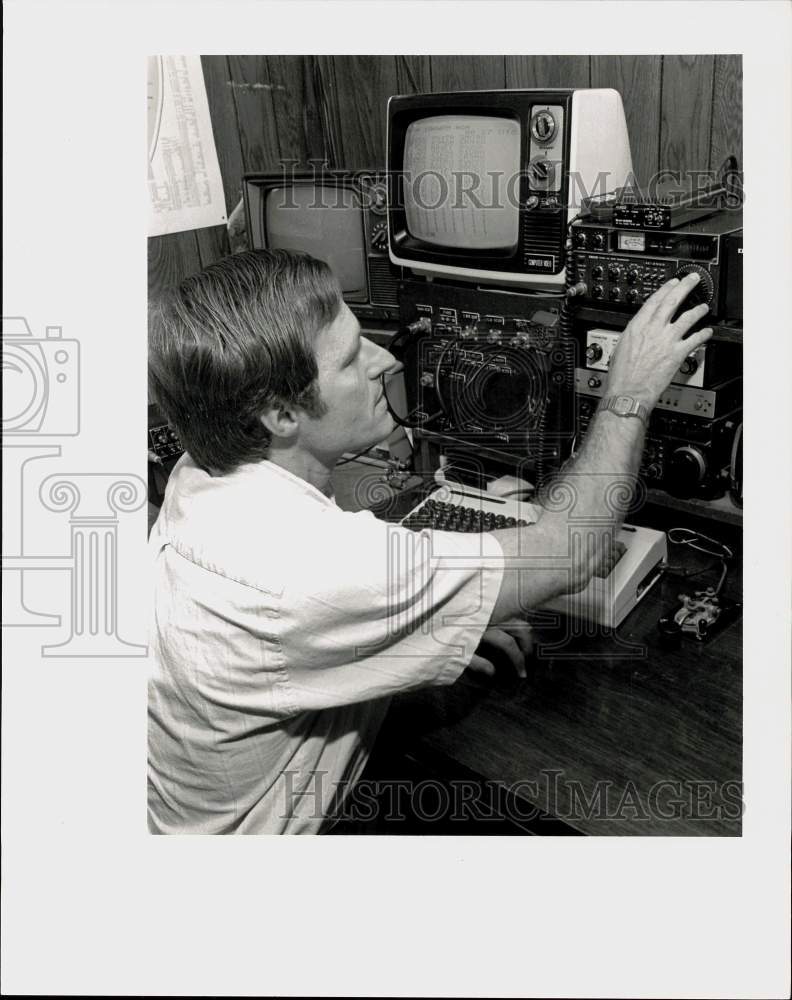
(185, 187)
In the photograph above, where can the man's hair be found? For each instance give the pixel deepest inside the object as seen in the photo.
(234, 339)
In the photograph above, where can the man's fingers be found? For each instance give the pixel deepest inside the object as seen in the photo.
(521, 632)
(500, 640)
(695, 340)
(480, 665)
(657, 297)
(674, 299)
(689, 318)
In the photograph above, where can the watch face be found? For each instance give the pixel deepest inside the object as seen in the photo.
(623, 404)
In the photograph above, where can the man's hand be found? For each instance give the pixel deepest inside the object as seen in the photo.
(652, 347)
(510, 641)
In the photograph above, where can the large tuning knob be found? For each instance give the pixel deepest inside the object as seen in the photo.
(704, 290)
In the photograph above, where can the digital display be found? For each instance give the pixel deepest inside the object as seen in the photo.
(460, 184)
(324, 221)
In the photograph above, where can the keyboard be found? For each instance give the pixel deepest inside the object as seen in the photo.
(607, 600)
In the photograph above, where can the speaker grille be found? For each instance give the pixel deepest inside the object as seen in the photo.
(383, 282)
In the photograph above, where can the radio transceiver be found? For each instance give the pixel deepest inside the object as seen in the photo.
(685, 455)
(624, 267)
(708, 365)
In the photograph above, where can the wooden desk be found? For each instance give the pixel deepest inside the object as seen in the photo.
(619, 735)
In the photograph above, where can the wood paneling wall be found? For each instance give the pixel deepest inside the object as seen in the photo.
(683, 113)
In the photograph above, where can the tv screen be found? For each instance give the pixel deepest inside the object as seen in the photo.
(325, 221)
(459, 185)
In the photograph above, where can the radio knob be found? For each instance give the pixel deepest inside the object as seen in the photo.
(633, 296)
(597, 291)
(704, 290)
(593, 353)
(633, 276)
(654, 471)
(597, 272)
(687, 470)
(594, 382)
(598, 240)
(467, 332)
(689, 365)
(427, 379)
(615, 294)
(580, 239)
(614, 273)
(421, 325)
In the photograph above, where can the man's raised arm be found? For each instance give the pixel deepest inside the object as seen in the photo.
(559, 553)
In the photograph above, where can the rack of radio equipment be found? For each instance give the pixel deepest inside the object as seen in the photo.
(621, 267)
(489, 370)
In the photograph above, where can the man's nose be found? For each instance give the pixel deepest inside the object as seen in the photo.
(383, 362)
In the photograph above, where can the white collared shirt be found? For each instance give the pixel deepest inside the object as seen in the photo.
(281, 624)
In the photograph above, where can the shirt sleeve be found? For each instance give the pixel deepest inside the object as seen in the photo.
(371, 608)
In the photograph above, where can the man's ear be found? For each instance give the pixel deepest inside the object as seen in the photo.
(281, 420)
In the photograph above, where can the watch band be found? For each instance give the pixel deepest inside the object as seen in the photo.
(626, 406)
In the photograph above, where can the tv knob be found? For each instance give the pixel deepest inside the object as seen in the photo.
(543, 126)
(597, 272)
(379, 236)
(542, 171)
(598, 291)
(633, 276)
(704, 290)
(689, 365)
(614, 273)
(614, 294)
(598, 240)
(593, 353)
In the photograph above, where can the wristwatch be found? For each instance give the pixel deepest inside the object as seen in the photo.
(626, 406)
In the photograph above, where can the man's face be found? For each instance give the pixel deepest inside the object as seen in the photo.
(349, 382)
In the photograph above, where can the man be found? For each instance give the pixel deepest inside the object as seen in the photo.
(281, 623)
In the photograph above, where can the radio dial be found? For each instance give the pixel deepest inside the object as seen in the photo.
(593, 353)
(689, 365)
(614, 273)
(633, 276)
(704, 290)
(615, 294)
(598, 240)
(580, 239)
(598, 291)
(633, 296)
(597, 272)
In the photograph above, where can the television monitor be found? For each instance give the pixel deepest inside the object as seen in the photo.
(337, 216)
(482, 185)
